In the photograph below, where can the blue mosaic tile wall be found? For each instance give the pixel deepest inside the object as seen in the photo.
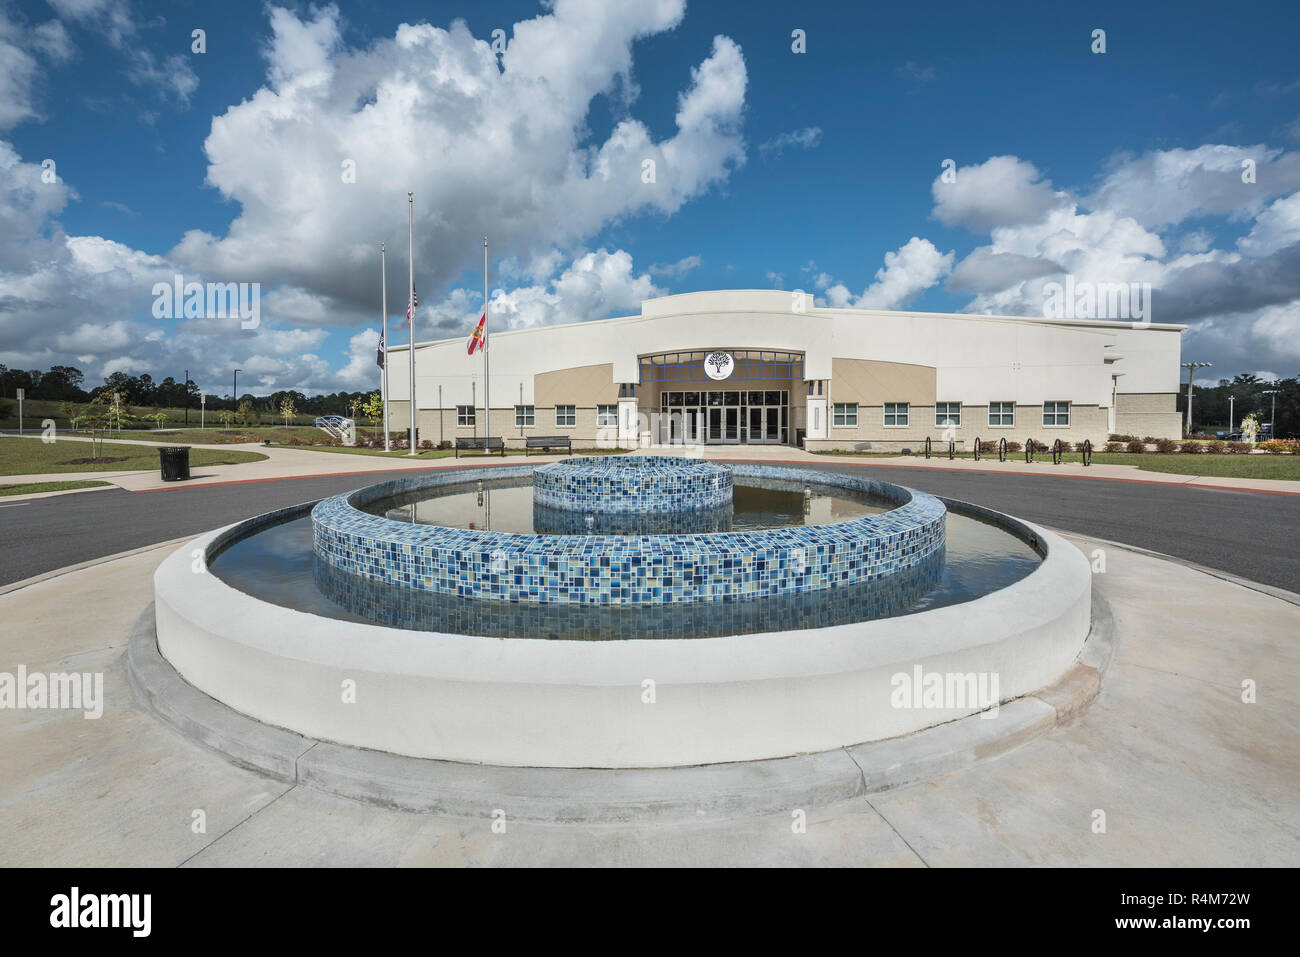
(635, 569)
(632, 484)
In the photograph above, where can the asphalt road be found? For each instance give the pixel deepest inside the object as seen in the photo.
(1248, 534)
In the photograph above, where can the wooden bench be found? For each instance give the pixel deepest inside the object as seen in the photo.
(548, 442)
(480, 445)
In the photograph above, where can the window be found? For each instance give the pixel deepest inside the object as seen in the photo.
(566, 415)
(947, 413)
(464, 415)
(1002, 414)
(846, 414)
(896, 413)
(523, 415)
(1056, 413)
(606, 416)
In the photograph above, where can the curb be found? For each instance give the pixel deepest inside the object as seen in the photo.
(80, 566)
(611, 796)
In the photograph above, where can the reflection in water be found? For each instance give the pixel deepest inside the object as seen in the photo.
(278, 565)
(506, 505)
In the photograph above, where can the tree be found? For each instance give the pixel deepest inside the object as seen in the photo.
(226, 417)
(70, 413)
(287, 410)
(102, 415)
(245, 413)
(159, 418)
(374, 408)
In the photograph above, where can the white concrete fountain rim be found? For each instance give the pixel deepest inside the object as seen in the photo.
(527, 702)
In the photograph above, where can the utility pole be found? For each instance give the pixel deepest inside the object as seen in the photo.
(1191, 368)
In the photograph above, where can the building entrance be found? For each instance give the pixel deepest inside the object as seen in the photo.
(725, 417)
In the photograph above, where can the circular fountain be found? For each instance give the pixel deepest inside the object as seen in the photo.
(617, 612)
(637, 569)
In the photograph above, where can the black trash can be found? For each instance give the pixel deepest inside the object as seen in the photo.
(175, 461)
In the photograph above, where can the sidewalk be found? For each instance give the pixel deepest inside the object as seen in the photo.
(285, 463)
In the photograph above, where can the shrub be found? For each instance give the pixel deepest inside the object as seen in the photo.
(905, 451)
(1239, 448)
(1198, 435)
(1166, 446)
(1115, 437)
(1114, 447)
(1276, 446)
(1216, 447)
(1013, 447)
(426, 443)
(1136, 445)
(445, 444)
(989, 448)
(1150, 439)
(1190, 448)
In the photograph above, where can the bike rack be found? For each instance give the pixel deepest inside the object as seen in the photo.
(1029, 451)
(1056, 452)
(927, 446)
(1002, 449)
(952, 448)
(977, 448)
(1087, 452)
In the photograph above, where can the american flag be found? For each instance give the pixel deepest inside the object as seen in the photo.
(415, 301)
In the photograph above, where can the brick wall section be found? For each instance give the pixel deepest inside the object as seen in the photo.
(1143, 414)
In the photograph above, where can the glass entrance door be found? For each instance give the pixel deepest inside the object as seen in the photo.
(725, 417)
(731, 420)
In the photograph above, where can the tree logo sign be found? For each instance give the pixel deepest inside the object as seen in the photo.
(719, 365)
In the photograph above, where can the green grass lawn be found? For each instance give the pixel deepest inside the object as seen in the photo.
(220, 435)
(36, 411)
(23, 456)
(28, 488)
(1219, 466)
(1173, 463)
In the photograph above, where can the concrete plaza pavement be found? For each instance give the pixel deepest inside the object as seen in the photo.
(1185, 772)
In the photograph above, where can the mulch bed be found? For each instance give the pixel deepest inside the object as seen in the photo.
(91, 461)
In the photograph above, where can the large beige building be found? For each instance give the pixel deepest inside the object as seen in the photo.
(767, 367)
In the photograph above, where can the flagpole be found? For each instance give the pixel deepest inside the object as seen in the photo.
(487, 395)
(410, 228)
(383, 335)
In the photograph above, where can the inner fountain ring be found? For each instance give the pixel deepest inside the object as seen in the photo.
(632, 484)
(629, 569)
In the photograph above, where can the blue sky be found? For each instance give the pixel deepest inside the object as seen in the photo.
(793, 170)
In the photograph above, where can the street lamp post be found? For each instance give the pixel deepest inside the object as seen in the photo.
(234, 390)
(1231, 427)
(187, 397)
(1272, 415)
(1191, 368)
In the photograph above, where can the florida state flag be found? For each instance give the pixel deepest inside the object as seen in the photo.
(478, 338)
